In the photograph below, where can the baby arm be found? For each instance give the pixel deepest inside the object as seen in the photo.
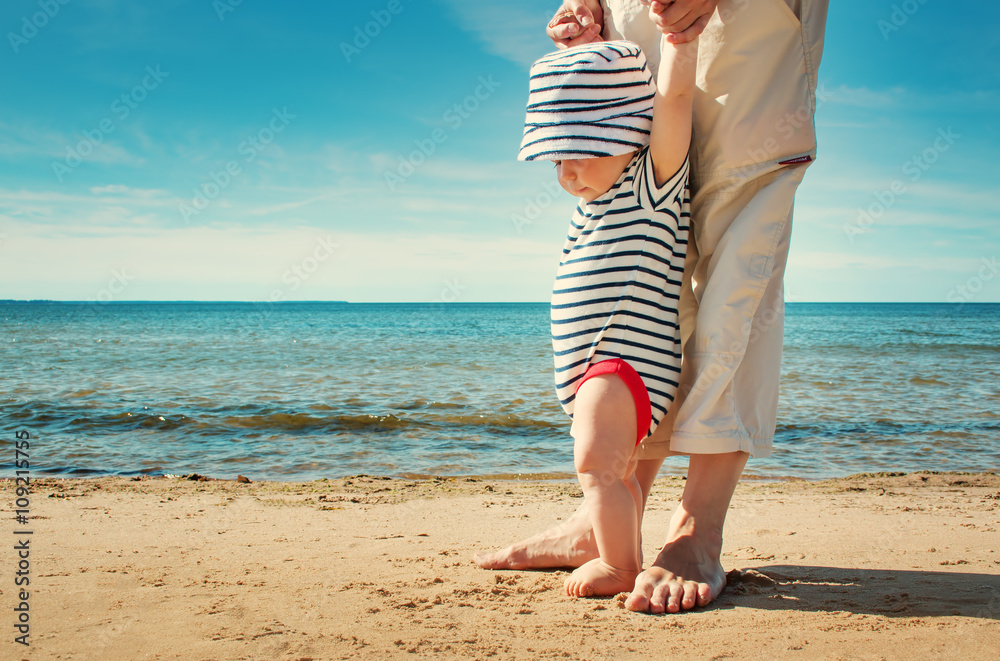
(670, 135)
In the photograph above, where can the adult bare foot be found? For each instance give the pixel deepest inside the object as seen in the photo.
(599, 579)
(685, 574)
(687, 571)
(569, 544)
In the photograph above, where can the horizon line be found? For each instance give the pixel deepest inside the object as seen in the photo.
(438, 302)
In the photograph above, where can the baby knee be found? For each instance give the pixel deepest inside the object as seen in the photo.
(601, 466)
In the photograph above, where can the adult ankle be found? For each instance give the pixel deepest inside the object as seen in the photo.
(686, 524)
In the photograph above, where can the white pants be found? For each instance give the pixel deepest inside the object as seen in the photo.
(753, 139)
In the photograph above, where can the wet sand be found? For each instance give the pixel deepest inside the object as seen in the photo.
(865, 567)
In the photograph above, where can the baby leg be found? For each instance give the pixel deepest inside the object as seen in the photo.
(604, 432)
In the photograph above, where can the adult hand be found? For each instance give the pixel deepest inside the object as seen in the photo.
(577, 22)
(680, 20)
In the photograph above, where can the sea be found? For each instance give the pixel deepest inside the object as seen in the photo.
(303, 391)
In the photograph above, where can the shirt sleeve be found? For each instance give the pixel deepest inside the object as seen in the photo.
(652, 197)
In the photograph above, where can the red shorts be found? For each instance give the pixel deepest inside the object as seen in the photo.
(643, 410)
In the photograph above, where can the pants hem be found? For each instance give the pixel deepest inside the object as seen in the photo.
(757, 448)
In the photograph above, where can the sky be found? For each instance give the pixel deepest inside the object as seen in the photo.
(257, 150)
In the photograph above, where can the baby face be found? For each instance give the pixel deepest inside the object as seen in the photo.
(590, 178)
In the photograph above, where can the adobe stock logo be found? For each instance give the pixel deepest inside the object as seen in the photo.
(37, 21)
(454, 117)
(968, 290)
(899, 17)
(914, 168)
(121, 108)
(205, 193)
(223, 7)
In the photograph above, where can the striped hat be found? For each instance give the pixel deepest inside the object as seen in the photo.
(589, 101)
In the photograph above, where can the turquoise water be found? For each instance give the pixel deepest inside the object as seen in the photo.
(299, 391)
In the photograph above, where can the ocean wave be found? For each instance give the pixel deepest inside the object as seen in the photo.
(929, 381)
(207, 422)
(879, 427)
(924, 333)
(303, 422)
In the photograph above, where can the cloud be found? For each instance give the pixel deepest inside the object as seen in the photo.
(514, 29)
(138, 196)
(275, 263)
(926, 196)
(804, 261)
(287, 206)
(913, 100)
(113, 188)
(22, 142)
(101, 210)
(865, 97)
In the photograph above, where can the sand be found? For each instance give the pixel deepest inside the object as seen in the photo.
(866, 567)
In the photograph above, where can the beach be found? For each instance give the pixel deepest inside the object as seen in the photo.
(871, 566)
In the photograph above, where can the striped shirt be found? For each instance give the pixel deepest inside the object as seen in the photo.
(618, 283)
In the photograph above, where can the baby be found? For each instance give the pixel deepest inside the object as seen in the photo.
(619, 141)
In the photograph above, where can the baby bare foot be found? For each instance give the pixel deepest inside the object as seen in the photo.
(685, 574)
(567, 545)
(599, 579)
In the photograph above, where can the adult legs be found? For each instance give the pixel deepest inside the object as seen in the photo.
(686, 573)
(571, 543)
